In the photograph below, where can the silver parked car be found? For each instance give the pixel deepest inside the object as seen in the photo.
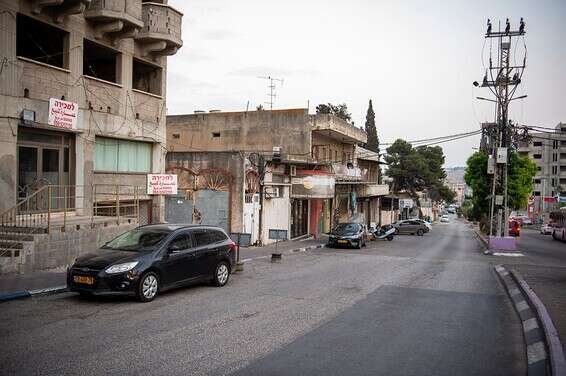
(410, 226)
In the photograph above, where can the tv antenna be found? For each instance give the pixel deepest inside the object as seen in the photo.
(272, 82)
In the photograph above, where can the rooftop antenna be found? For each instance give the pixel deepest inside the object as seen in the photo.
(272, 82)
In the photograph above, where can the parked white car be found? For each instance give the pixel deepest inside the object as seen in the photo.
(546, 229)
(445, 219)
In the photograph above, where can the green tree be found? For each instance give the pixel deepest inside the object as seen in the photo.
(520, 176)
(371, 130)
(340, 110)
(520, 173)
(417, 169)
(477, 179)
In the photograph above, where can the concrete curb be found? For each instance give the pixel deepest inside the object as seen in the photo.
(483, 241)
(29, 293)
(288, 252)
(555, 350)
(543, 357)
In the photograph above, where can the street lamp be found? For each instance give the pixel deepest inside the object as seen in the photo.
(485, 99)
(521, 97)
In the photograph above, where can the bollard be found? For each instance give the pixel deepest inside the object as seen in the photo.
(276, 257)
(239, 266)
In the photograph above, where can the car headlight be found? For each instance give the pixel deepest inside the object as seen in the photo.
(121, 268)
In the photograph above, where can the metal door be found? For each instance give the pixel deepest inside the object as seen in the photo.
(178, 209)
(212, 208)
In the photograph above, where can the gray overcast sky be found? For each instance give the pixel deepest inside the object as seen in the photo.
(416, 60)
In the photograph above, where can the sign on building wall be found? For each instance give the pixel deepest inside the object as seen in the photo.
(313, 186)
(405, 203)
(62, 114)
(161, 184)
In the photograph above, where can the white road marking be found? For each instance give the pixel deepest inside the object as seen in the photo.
(510, 254)
(247, 260)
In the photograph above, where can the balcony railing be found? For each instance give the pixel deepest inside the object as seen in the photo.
(336, 128)
(123, 18)
(161, 32)
(61, 8)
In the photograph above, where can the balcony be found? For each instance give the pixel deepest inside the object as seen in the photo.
(338, 129)
(373, 190)
(121, 18)
(60, 8)
(161, 33)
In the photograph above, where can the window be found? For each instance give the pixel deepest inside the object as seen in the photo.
(100, 61)
(176, 135)
(537, 156)
(537, 143)
(539, 168)
(563, 143)
(41, 42)
(215, 134)
(146, 77)
(555, 144)
(536, 193)
(554, 170)
(554, 157)
(115, 155)
(536, 181)
(205, 237)
(181, 242)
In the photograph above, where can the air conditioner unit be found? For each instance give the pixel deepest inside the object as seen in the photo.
(292, 170)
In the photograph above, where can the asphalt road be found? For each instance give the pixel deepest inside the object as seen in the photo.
(426, 305)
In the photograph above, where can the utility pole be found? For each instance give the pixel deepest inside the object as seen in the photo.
(271, 86)
(502, 80)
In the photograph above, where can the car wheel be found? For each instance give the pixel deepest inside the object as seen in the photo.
(221, 274)
(390, 237)
(147, 287)
(420, 232)
(359, 244)
(396, 231)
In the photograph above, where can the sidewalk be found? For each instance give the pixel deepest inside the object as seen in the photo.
(22, 285)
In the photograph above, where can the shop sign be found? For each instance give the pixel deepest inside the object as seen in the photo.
(62, 114)
(343, 172)
(313, 186)
(405, 203)
(161, 184)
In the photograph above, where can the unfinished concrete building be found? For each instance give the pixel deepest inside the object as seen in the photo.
(82, 119)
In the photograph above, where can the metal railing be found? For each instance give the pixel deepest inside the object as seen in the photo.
(56, 206)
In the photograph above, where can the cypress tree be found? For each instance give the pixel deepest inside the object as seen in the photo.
(371, 130)
(373, 140)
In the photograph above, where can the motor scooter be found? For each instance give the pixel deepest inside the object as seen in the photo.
(384, 232)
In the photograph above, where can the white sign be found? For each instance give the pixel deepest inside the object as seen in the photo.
(63, 114)
(405, 203)
(161, 184)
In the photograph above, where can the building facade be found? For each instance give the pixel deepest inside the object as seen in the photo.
(548, 151)
(82, 106)
(105, 59)
(290, 170)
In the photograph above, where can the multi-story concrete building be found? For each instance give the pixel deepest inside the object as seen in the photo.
(548, 151)
(455, 181)
(82, 105)
(315, 174)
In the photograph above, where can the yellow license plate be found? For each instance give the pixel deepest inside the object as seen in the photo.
(342, 241)
(87, 280)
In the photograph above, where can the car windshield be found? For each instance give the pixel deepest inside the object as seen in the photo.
(137, 240)
(346, 228)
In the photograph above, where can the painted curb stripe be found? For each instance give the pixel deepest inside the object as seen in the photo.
(48, 290)
(536, 352)
(14, 295)
(522, 306)
(530, 324)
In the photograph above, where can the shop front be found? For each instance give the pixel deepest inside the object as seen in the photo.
(311, 206)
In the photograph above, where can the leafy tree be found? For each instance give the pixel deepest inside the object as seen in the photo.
(477, 179)
(520, 173)
(520, 176)
(340, 110)
(371, 130)
(417, 169)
